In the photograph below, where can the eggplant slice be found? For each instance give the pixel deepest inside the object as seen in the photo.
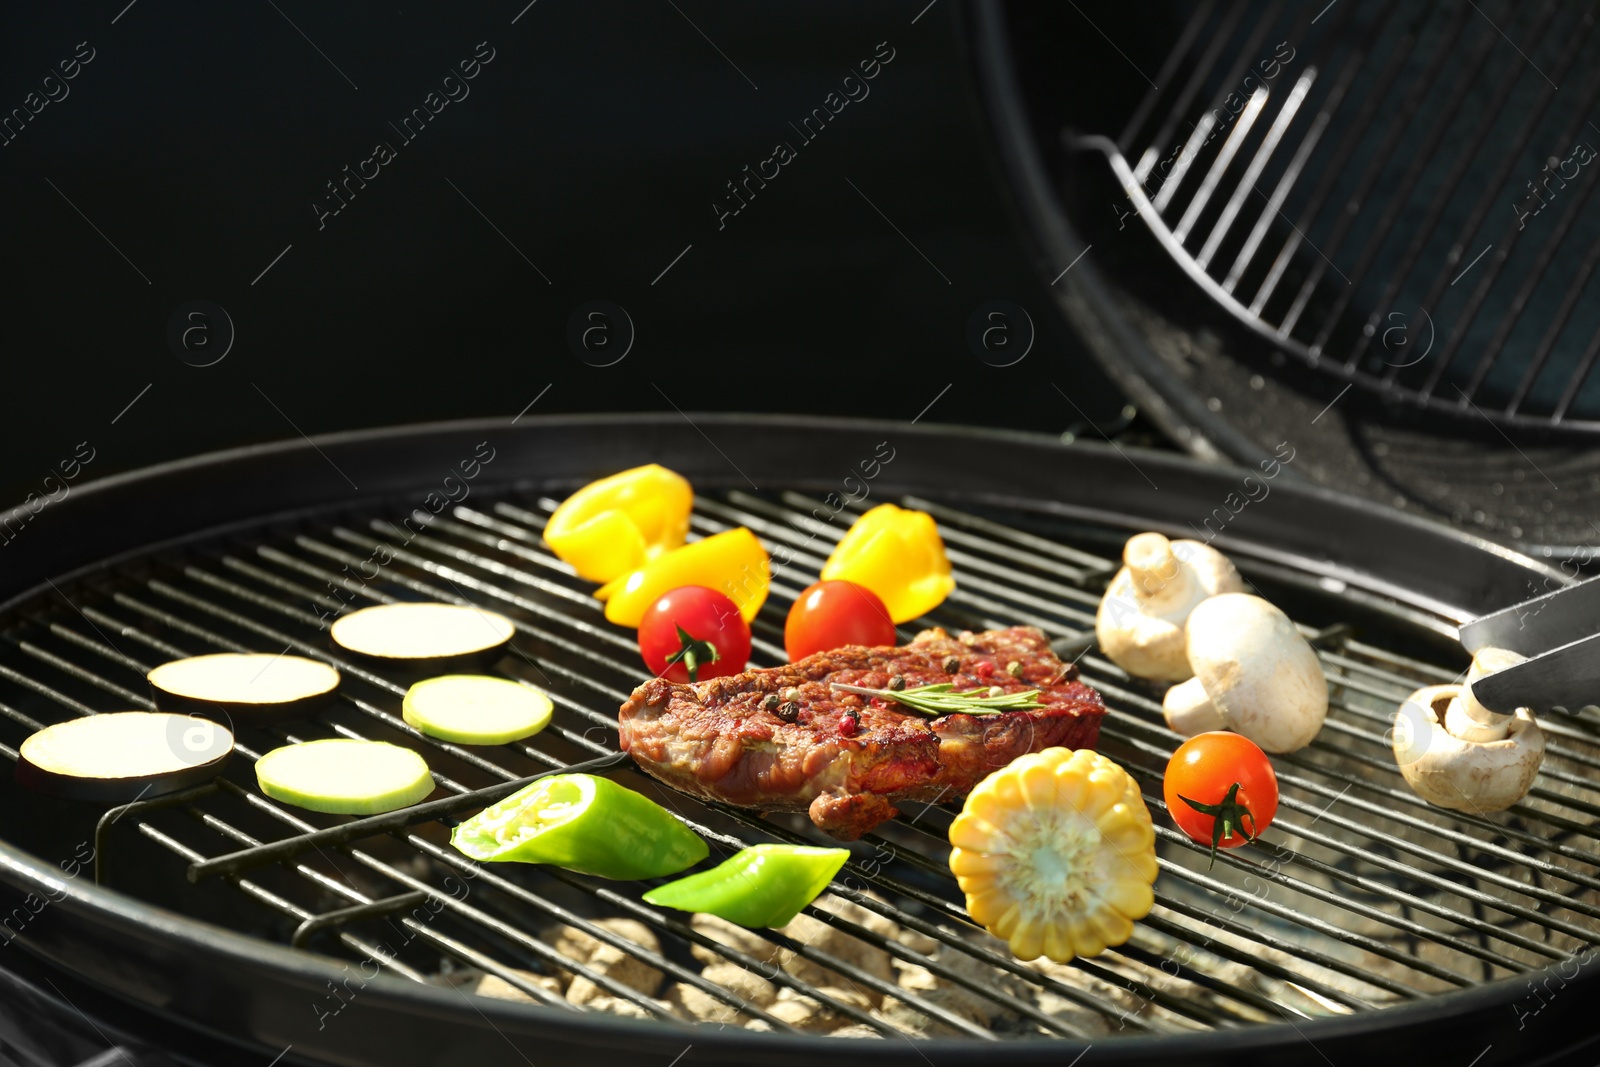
(246, 687)
(122, 756)
(423, 638)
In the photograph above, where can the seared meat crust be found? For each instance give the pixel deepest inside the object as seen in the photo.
(723, 739)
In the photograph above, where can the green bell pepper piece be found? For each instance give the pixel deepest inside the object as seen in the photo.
(582, 823)
(766, 885)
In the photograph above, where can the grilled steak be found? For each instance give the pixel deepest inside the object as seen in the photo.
(781, 739)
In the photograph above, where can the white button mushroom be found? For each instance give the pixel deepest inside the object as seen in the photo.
(1140, 622)
(1253, 674)
(1458, 754)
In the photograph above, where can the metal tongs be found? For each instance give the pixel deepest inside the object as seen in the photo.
(1560, 634)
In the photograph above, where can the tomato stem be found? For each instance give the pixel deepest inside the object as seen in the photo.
(692, 653)
(1228, 819)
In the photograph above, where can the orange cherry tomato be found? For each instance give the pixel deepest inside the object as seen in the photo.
(1220, 789)
(833, 614)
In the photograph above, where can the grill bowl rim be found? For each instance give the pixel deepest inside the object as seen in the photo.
(308, 466)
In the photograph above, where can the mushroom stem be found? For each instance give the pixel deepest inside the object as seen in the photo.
(1470, 720)
(1189, 711)
(1160, 580)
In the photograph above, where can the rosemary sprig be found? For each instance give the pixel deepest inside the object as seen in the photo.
(940, 699)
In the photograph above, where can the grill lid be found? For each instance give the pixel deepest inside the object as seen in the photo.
(1368, 228)
(1368, 912)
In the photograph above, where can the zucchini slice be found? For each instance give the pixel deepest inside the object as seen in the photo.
(254, 686)
(475, 709)
(122, 756)
(344, 776)
(435, 638)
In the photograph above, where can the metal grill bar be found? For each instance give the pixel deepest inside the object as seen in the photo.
(1580, 374)
(1480, 209)
(1402, 191)
(373, 825)
(257, 852)
(1006, 576)
(1558, 323)
(1519, 301)
(1495, 264)
(1340, 158)
(1169, 70)
(1202, 130)
(1241, 133)
(1374, 169)
(1247, 182)
(1202, 70)
(1308, 144)
(1405, 98)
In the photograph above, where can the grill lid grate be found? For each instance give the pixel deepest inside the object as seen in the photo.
(1422, 126)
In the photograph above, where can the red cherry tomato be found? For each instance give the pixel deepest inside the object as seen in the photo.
(832, 614)
(693, 633)
(1199, 779)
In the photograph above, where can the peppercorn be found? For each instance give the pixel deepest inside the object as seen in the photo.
(897, 682)
(1014, 669)
(789, 712)
(848, 724)
(952, 665)
(791, 694)
(770, 702)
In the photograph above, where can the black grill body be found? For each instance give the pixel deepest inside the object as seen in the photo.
(95, 557)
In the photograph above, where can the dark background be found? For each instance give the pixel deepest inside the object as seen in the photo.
(193, 145)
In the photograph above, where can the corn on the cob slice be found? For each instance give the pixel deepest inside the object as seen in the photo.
(1056, 854)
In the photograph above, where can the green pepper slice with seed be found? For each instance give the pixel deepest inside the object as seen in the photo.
(765, 885)
(582, 823)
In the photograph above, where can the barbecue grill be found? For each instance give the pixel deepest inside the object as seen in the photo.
(1366, 920)
(1370, 215)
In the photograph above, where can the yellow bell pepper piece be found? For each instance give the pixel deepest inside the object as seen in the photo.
(731, 562)
(618, 524)
(897, 554)
(1056, 854)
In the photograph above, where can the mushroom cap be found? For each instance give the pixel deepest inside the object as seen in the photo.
(1259, 672)
(1139, 625)
(1462, 775)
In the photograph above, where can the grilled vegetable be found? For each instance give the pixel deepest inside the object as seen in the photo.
(732, 562)
(1056, 854)
(694, 633)
(422, 637)
(252, 686)
(1220, 789)
(765, 885)
(344, 776)
(897, 554)
(618, 524)
(475, 709)
(582, 823)
(830, 615)
(121, 756)
(1458, 754)
(1140, 622)
(1254, 674)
